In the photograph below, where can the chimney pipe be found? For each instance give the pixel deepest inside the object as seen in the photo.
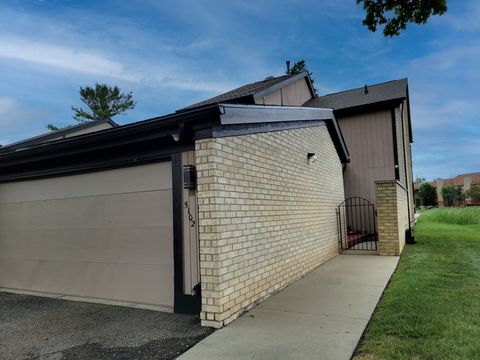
(366, 89)
(288, 67)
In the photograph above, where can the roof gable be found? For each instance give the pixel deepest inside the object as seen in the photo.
(247, 94)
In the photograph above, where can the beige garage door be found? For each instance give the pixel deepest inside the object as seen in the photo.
(104, 235)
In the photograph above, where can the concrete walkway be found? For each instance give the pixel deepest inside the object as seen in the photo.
(321, 316)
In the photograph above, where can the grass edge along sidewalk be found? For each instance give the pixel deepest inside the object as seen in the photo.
(430, 310)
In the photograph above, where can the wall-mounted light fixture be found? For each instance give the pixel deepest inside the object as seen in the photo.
(189, 177)
(311, 157)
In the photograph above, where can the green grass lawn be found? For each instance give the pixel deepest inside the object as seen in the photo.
(431, 308)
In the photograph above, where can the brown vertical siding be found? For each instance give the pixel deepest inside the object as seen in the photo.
(295, 94)
(369, 141)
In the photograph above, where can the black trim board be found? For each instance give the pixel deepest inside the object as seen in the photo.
(395, 145)
(89, 161)
(183, 304)
(365, 108)
(410, 131)
(151, 139)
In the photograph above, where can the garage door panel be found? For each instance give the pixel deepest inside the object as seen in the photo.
(142, 209)
(156, 176)
(132, 245)
(104, 235)
(145, 284)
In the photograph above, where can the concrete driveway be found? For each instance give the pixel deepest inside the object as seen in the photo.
(34, 327)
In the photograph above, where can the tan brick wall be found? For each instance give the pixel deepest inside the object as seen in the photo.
(392, 216)
(266, 216)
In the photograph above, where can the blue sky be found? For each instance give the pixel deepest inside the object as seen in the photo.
(173, 53)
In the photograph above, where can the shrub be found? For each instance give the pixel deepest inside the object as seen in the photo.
(452, 195)
(427, 194)
(474, 193)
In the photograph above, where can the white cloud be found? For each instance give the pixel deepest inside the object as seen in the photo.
(171, 73)
(18, 121)
(69, 58)
(6, 105)
(428, 114)
(467, 18)
(450, 61)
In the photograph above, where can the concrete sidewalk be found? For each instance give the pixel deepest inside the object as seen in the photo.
(321, 316)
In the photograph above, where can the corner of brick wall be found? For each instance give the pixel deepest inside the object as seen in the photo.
(392, 217)
(266, 216)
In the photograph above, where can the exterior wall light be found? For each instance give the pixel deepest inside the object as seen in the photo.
(312, 158)
(175, 136)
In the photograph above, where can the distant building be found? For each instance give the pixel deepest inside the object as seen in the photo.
(463, 182)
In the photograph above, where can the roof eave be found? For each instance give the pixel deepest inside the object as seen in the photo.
(243, 114)
(136, 133)
(369, 107)
(51, 135)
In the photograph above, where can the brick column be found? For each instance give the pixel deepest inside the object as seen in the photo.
(392, 217)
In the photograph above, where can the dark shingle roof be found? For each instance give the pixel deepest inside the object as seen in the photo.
(243, 94)
(391, 90)
(54, 134)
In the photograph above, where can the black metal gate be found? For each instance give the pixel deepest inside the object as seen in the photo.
(357, 228)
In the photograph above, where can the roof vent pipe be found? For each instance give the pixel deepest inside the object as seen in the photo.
(366, 89)
(288, 67)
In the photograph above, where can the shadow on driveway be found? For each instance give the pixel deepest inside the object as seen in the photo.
(33, 327)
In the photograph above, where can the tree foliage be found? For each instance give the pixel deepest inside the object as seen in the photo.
(452, 195)
(298, 67)
(52, 127)
(474, 193)
(427, 194)
(103, 101)
(396, 14)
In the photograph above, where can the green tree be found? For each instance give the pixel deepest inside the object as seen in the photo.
(104, 102)
(452, 195)
(474, 193)
(298, 67)
(396, 14)
(52, 127)
(427, 194)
